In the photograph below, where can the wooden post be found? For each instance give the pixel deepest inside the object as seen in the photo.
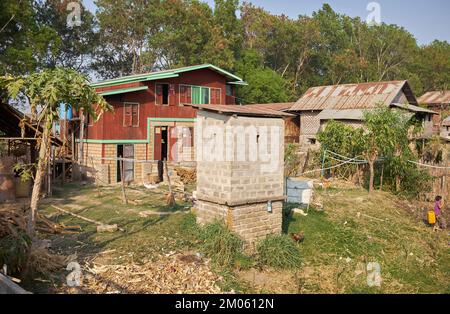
(49, 172)
(124, 195)
(73, 144)
(63, 178)
(53, 161)
(170, 198)
(81, 148)
(381, 177)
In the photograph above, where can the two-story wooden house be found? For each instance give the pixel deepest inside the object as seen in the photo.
(147, 109)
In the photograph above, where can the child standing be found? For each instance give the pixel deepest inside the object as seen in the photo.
(440, 221)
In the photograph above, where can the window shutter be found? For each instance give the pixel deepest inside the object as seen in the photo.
(215, 96)
(182, 94)
(135, 115)
(127, 115)
(188, 95)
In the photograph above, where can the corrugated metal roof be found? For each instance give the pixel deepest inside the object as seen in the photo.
(414, 108)
(353, 96)
(282, 106)
(166, 74)
(435, 97)
(243, 110)
(345, 114)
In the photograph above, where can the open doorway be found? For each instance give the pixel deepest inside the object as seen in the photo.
(162, 94)
(164, 143)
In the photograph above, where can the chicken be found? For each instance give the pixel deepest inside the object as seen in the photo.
(298, 237)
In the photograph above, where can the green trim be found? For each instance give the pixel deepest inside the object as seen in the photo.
(134, 79)
(238, 83)
(165, 74)
(147, 141)
(123, 90)
(203, 66)
(115, 141)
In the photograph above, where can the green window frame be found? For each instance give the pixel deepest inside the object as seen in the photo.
(200, 95)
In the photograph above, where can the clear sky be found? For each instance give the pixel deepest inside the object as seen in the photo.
(426, 20)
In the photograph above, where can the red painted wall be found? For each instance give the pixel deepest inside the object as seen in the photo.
(110, 125)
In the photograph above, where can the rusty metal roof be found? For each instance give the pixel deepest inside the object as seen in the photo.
(413, 108)
(244, 111)
(345, 114)
(281, 106)
(435, 97)
(353, 96)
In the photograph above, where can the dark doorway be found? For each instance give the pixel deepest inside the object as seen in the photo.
(119, 155)
(165, 94)
(164, 143)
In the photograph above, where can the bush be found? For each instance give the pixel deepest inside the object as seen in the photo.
(14, 249)
(220, 244)
(279, 251)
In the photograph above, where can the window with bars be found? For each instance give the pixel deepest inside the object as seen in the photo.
(131, 115)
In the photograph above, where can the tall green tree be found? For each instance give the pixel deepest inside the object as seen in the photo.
(73, 45)
(124, 29)
(24, 42)
(264, 84)
(385, 135)
(433, 66)
(226, 19)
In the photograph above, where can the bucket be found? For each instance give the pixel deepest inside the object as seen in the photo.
(431, 217)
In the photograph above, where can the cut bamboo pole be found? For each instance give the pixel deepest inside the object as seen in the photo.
(170, 197)
(98, 223)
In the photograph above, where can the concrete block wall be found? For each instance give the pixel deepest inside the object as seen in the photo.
(235, 181)
(238, 191)
(251, 222)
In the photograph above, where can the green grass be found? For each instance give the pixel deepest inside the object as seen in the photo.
(279, 251)
(339, 240)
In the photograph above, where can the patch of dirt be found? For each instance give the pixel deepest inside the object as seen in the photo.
(273, 281)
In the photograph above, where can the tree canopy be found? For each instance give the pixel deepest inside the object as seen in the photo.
(135, 36)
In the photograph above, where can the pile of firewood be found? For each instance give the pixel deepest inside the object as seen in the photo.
(187, 175)
(21, 256)
(17, 217)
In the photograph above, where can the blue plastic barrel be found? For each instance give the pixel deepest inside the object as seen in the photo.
(65, 112)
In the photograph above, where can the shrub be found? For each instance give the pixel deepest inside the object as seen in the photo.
(279, 251)
(220, 244)
(14, 250)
